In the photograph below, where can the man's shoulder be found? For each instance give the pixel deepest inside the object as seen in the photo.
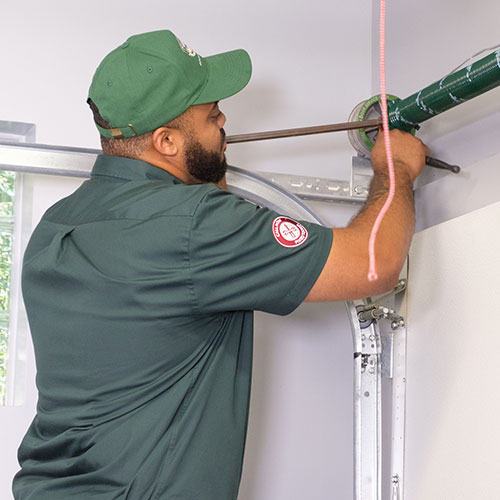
(131, 200)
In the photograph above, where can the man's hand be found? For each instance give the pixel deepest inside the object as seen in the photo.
(408, 154)
(344, 276)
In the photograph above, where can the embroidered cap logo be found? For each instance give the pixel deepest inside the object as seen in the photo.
(187, 50)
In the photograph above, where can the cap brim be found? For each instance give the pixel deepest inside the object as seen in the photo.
(229, 73)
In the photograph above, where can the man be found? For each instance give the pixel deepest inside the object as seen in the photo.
(140, 287)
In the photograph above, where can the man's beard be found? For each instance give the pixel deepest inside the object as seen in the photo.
(204, 165)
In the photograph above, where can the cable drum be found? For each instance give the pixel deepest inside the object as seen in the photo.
(354, 135)
(363, 140)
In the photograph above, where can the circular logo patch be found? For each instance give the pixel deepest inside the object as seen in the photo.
(289, 233)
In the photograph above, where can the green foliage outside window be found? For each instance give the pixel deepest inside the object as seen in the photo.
(7, 182)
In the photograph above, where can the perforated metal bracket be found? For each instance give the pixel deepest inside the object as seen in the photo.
(354, 191)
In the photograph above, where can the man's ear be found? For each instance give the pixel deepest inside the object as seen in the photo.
(167, 141)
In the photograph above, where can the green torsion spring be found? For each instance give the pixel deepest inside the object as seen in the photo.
(450, 91)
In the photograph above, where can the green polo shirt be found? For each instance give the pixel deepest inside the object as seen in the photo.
(140, 292)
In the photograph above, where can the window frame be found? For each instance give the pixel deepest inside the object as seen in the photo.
(18, 329)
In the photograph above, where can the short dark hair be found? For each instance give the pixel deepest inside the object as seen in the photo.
(132, 147)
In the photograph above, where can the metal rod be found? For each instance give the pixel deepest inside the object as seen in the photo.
(322, 129)
(434, 162)
(295, 132)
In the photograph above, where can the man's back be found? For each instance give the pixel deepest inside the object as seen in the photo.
(120, 350)
(142, 331)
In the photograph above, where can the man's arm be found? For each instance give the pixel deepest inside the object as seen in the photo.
(344, 276)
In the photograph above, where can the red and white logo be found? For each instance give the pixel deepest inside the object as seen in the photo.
(289, 233)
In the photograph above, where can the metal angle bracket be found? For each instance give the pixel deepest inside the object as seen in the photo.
(354, 191)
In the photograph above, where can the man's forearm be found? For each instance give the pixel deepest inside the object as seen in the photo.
(396, 230)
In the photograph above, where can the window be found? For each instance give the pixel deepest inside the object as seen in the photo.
(7, 189)
(11, 246)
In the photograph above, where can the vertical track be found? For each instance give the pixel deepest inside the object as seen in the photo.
(367, 408)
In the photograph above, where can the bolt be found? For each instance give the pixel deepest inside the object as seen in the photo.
(371, 370)
(363, 337)
(367, 394)
(372, 337)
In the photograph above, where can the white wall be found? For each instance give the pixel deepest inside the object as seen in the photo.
(453, 405)
(305, 73)
(451, 414)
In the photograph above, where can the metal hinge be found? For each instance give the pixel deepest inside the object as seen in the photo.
(376, 310)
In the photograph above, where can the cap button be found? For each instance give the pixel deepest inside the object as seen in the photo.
(124, 45)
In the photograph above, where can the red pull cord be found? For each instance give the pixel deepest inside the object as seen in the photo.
(372, 272)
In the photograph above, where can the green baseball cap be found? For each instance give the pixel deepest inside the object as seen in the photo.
(154, 77)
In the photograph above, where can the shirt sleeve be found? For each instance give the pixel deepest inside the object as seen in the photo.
(245, 257)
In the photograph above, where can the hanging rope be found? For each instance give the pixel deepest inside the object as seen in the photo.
(372, 271)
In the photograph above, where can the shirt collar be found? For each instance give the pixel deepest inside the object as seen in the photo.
(129, 169)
